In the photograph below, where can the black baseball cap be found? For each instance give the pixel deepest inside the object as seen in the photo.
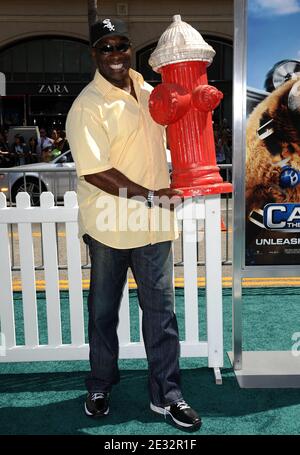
(107, 27)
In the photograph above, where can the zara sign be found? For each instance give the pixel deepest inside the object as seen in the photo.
(53, 89)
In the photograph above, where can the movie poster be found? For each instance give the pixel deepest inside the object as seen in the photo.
(273, 133)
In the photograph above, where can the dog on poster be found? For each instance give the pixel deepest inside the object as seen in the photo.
(273, 148)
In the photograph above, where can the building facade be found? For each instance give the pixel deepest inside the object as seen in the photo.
(45, 55)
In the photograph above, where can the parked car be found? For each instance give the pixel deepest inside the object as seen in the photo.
(57, 176)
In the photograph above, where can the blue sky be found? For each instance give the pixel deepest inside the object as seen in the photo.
(273, 35)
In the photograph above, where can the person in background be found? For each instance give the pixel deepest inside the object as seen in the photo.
(63, 144)
(60, 145)
(19, 150)
(120, 158)
(55, 135)
(3, 141)
(47, 153)
(32, 155)
(5, 155)
(44, 141)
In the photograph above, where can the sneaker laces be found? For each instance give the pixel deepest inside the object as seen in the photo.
(97, 395)
(182, 405)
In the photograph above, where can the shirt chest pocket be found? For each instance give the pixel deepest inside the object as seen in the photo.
(121, 120)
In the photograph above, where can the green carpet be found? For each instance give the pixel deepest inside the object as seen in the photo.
(46, 398)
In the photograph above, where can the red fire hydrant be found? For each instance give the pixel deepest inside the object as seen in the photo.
(184, 102)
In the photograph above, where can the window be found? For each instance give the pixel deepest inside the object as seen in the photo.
(47, 60)
(143, 66)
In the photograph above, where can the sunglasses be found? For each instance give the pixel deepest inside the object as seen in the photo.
(109, 48)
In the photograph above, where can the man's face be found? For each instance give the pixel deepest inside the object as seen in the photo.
(113, 63)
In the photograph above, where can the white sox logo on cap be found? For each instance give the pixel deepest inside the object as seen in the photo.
(107, 23)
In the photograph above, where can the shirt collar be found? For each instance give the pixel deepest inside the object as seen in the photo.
(105, 86)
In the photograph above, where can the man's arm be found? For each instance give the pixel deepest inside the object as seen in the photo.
(112, 180)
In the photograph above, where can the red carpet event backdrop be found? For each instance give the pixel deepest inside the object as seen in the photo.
(273, 134)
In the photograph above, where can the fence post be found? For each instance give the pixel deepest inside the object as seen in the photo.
(213, 262)
(51, 273)
(27, 274)
(190, 271)
(7, 318)
(74, 272)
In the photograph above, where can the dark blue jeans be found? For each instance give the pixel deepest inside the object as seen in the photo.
(152, 267)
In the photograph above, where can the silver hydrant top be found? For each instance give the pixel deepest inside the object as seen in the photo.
(180, 43)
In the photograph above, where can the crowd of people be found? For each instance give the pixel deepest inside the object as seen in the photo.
(49, 147)
(223, 142)
(34, 150)
(223, 146)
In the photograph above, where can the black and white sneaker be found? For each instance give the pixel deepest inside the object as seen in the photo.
(96, 404)
(182, 414)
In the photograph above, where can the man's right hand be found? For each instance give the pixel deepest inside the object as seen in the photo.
(168, 198)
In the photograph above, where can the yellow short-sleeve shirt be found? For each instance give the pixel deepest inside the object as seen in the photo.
(108, 128)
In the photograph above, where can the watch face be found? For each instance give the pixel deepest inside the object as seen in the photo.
(150, 198)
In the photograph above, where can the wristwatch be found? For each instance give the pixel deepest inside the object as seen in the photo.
(150, 197)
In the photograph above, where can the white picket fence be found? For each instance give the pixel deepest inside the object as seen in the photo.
(23, 215)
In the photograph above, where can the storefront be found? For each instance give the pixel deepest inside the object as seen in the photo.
(44, 75)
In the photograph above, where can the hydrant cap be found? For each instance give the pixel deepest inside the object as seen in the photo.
(180, 43)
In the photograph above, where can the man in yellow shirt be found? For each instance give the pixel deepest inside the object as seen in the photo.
(126, 216)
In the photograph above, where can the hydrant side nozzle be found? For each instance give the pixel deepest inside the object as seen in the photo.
(168, 103)
(206, 98)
